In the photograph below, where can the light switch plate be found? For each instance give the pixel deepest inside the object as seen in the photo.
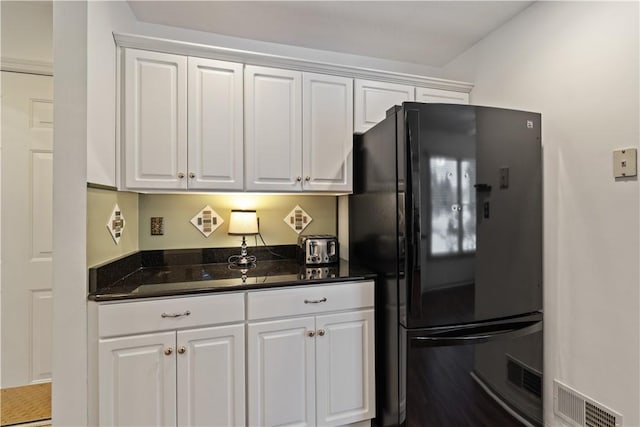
(157, 226)
(625, 163)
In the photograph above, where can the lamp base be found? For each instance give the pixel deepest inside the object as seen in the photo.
(243, 260)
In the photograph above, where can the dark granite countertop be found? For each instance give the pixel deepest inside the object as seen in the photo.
(147, 274)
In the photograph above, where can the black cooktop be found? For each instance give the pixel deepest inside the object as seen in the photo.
(176, 272)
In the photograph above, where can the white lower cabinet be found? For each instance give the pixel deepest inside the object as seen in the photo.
(211, 376)
(309, 359)
(281, 372)
(186, 376)
(137, 381)
(315, 369)
(345, 388)
(192, 378)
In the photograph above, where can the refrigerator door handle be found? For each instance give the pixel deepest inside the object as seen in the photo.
(480, 335)
(412, 214)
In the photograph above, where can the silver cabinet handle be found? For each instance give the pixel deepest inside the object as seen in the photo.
(192, 175)
(315, 301)
(311, 333)
(182, 349)
(308, 178)
(321, 332)
(299, 178)
(180, 175)
(186, 313)
(168, 351)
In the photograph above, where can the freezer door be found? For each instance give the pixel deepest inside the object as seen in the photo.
(473, 214)
(482, 376)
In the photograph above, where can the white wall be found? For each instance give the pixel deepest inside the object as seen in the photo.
(104, 17)
(26, 31)
(69, 214)
(578, 64)
(174, 33)
(84, 108)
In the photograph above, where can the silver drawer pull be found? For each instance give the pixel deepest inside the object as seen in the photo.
(314, 301)
(186, 313)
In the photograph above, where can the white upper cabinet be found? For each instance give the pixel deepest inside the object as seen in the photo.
(327, 132)
(424, 94)
(183, 122)
(155, 120)
(299, 131)
(196, 123)
(215, 125)
(373, 99)
(273, 138)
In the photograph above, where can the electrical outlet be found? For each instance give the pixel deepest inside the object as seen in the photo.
(624, 163)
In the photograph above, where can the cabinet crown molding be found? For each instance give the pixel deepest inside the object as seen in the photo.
(255, 58)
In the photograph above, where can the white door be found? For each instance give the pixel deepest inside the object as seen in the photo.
(27, 146)
(137, 380)
(424, 94)
(215, 125)
(281, 372)
(327, 132)
(211, 376)
(273, 133)
(373, 99)
(345, 368)
(155, 120)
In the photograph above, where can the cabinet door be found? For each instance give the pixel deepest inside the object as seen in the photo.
(345, 367)
(281, 373)
(441, 96)
(137, 380)
(155, 120)
(273, 116)
(211, 376)
(327, 132)
(215, 125)
(373, 99)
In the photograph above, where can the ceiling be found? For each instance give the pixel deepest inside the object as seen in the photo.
(429, 33)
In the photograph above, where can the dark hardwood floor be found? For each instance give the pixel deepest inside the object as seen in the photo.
(442, 393)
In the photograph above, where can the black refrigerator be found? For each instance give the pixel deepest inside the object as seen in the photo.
(447, 210)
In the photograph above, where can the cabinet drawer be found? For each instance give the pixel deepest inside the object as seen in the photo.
(309, 300)
(165, 314)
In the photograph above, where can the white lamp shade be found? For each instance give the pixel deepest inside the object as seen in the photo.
(243, 223)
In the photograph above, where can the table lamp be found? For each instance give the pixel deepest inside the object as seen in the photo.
(243, 223)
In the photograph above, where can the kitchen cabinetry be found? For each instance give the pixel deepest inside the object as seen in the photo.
(310, 355)
(172, 367)
(182, 122)
(155, 119)
(373, 99)
(298, 130)
(327, 132)
(424, 94)
(216, 138)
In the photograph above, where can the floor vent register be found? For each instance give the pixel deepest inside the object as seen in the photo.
(580, 410)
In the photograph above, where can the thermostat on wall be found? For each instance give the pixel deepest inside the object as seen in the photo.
(624, 163)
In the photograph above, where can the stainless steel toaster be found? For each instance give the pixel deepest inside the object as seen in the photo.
(318, 249)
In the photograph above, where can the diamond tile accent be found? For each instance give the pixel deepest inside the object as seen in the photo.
(207, 220)
(298, 219)
(116, 224)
